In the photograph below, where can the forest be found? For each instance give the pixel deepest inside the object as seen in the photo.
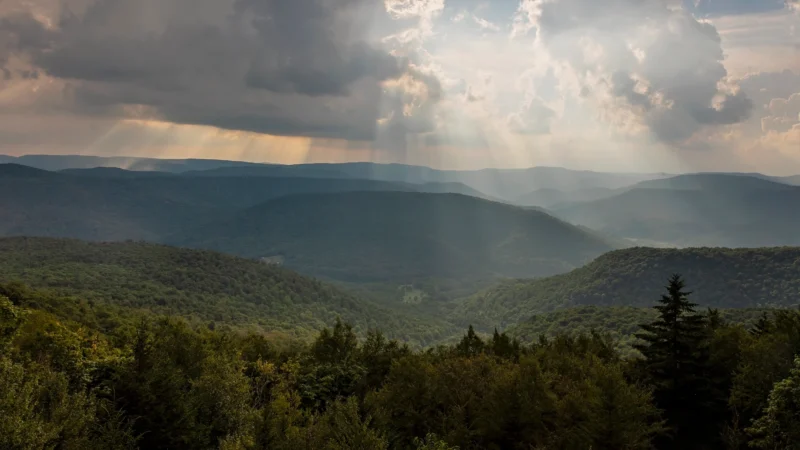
(721, 278)
(157, 382)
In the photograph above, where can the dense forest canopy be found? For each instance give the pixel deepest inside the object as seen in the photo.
(161, 383)
(201, 286)
(722, 278)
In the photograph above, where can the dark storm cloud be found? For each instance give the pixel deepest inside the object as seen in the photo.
(300, 67)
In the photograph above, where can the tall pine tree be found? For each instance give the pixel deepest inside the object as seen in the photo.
(676, 362)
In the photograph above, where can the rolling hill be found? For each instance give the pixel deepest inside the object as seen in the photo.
(114, 204)
(200, 285)
(621, 322)
(718, 277)
(696, 210)
(373, 236)
(39, 203)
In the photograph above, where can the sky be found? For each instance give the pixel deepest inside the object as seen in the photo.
(607, 85)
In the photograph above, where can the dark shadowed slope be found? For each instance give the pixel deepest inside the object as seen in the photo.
(201, 285)
(40, 203)
(61, 162)
(367, 236)
(112, 204)
(114, 172)
(719, 277)
(697, 210)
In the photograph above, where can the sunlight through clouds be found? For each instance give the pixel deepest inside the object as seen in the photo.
(645, 85)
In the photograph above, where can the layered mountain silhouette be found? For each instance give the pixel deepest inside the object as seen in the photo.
(340, 228)
(696, 210)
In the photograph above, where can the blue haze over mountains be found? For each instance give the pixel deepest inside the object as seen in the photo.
(373, 222)
(489, 247)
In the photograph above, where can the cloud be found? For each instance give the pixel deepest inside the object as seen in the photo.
(784, 114)
(305, 67)
(484, 24)
(534, 118)
(717, 8)
(640, 61)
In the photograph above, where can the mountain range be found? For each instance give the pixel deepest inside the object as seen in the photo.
(695, 210)
(502, 184)
(441, 249)
(339, 228)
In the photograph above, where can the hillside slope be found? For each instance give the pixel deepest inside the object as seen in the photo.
(200, 285)
(39, 203)
(113, 204)
(369, 236)
(697, 210)
(718, 277)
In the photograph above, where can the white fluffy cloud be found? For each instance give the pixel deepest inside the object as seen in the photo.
(642, 61)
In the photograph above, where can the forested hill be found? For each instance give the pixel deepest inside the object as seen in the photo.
(716, 210)
(368, 236)
(620, 322)
(105, 204)
(203, 286)
(718, 277)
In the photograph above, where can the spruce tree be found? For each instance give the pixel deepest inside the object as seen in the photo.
(762, 326)
(676, 362)
(471, 344)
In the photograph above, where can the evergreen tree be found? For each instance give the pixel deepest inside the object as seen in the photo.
(676, 361)
(503, 346)
(762, 326)
(471, 344)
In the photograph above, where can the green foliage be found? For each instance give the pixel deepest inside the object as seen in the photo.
(170, 385)
(432, 442)
(764, 360)
(676, 362)
(620, 322)
(562, 394)
(779, 425)
(204, 287)
(721, 278)
(10, 320)
(164, 383)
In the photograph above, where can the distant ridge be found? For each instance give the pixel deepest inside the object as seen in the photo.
(726, 210)
(504, 184)
(718, 278)
(392, 235)
(21, 171)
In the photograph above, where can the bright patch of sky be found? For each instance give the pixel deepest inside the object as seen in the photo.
(627, 85)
